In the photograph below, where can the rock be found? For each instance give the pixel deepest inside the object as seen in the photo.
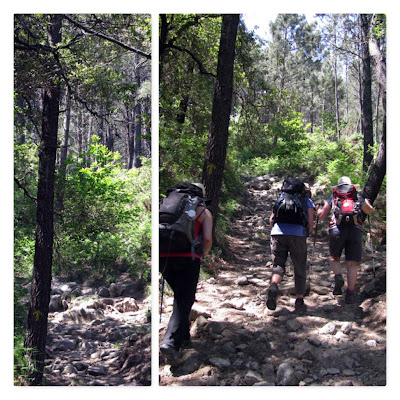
(285, 375)
(198, 325)
(70, 369)
(328, 308)
(56, 303)
(116, 290)
(127, 305)
(214, 327)
(328, 329)
(237, 304)
(293, 325)
(307, 354)
(97, 370)
(340, 336)
(220, 362)
(242, 281)
(190, 362)
(333, 371)
(64, 345)
(104, 292)
(258, 282)
(314, 341)
(346, 328)
(251, 378)
(348, 372)
(371, 343)
(198, 311)
(229, 348)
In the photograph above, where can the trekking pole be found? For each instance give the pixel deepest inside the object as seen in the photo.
(371, 244)
(162, 296)
(312, 254)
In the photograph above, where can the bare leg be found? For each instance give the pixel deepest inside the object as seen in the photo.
(351, 274)
(335, 265)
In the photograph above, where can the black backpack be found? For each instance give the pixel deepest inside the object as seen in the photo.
(177, 214)
(346, 207)
(291, 205)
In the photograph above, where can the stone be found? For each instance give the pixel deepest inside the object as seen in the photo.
(127, 305)
(56, 303)
(97, 370)
(314, 341)
(251, 378)
(229, 348)
(214, 327)
(293, 325)
(328, 329)
(104, 292)
(190, 362)
(346, 328)
(220, 362)
(285, 375)
(242, 281)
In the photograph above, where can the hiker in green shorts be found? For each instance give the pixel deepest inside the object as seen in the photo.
(345, 233)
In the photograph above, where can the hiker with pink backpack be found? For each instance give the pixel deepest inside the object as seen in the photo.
(345, 233)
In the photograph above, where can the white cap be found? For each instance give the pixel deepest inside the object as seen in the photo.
(344, 180)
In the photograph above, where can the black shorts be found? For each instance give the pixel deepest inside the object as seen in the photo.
(348, 239)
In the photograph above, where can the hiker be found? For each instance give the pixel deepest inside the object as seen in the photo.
(180, 267)
(292, 222)
(345, 233)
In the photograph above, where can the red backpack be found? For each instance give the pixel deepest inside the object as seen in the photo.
(346, 207)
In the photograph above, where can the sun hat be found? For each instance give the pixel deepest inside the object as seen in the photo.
(201, 186)
(344, 180)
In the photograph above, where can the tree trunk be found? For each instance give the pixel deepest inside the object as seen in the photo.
(336, 101)
(218, 137)
(378, 171)
(367, 128)
(35, 340)
(64, 152)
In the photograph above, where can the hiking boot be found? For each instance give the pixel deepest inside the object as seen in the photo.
(170, 354)
(299, 306)
(350, 297)
(339, 282)
(272, 295)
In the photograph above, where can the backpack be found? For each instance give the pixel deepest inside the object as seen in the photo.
(346, 207)
(177, 215)
(291, 205)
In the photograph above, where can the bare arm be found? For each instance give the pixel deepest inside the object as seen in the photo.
(323, 212)
(207, 222)
(367, 207)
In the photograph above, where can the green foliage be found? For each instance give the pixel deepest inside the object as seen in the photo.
(106, 223)
(25, 171)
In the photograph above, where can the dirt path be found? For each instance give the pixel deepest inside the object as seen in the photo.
(98, 336)
(236, 340)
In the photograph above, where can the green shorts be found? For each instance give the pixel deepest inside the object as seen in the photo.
(347, 238)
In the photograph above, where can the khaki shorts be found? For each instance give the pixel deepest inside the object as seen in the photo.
(281, 246)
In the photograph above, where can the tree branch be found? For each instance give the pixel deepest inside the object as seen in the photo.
(19, 184)
(198, 62)
(108, 38)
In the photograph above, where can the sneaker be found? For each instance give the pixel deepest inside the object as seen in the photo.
(339, 282)
(350, 297)
(272, 295)
(170, 354)
(299, 306)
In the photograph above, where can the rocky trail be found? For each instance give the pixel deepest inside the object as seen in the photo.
(98, 335)
(236, 340)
